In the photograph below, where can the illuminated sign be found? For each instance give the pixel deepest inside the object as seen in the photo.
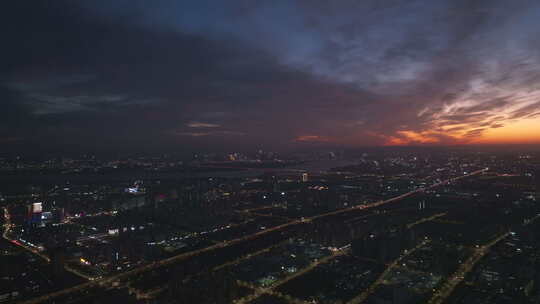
(37, 208)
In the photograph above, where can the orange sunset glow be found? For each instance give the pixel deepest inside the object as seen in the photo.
(526, 131)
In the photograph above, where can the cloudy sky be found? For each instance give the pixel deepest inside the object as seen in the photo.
(167, 74)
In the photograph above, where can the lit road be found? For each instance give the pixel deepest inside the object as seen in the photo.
(269, 291)
(7, 228)
(169, 261)
(426, 219)
(259, 291)
(363, 296)
(78, 273)
(248, 256)
(440, 295)
(400, 197)
(7, 223)
(151, 293)
(446, 290)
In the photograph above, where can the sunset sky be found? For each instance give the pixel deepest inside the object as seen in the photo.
(168, 75)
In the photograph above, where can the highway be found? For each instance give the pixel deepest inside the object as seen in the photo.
(259, 291)
(426, 219)
(363, 296)
(7, 228)
(125, 275)
(444, 292)
(457, 277)
(7, 224)
(147, 295)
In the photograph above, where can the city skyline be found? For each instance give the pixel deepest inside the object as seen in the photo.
(270, 152)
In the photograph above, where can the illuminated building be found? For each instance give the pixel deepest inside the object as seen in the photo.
(34, 212)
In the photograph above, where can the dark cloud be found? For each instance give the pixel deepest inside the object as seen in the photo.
(237, 74)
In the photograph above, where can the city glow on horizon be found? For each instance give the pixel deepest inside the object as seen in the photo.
(525, 131)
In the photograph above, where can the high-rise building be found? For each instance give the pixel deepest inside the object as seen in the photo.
(305, 177)
(34, 213)
(58, 260)
(19, 215)
(58, 215)
(272, 182)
